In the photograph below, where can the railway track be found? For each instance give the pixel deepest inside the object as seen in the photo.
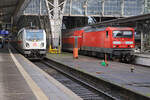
(81, 88)
(108, 89)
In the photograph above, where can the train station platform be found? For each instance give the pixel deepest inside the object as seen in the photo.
(22, 80)
(12, 84)
(118, 73)
(142, 59)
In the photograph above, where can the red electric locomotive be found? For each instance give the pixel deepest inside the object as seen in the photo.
(117, 42)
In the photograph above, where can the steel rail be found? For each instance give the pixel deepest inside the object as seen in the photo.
(104, 94)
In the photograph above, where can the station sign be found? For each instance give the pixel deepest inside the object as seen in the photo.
(4, 32)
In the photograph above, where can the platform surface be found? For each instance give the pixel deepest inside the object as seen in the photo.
(118, 73)
(12, 84)
(22, 80)
(146, 55)
(142, 59)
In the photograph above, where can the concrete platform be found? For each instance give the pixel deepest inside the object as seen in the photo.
(118, 73)
(142, 59)
(12, 84)
(22, 80)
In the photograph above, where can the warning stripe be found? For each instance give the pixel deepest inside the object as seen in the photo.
(34, 87)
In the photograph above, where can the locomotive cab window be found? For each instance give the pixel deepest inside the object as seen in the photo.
(34, 35)
(122, 34)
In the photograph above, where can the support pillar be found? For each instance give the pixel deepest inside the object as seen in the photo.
(12, 21)
(55, 12)
(122, 7)
(103, 6)
(142, 46)
(85, 7)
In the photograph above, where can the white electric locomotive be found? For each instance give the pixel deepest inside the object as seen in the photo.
(32, 43)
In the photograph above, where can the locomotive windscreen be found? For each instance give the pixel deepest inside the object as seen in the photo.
(32, 35)
(123, 34)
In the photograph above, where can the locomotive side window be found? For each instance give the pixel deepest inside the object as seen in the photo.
(106, 34)
(122, 34)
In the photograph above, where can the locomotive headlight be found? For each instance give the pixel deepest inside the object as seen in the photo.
(131, 46)
(114, 46)
(27, 45)
(42, 44)
(116, 42)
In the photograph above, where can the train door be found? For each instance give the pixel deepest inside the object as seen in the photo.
(107, 40)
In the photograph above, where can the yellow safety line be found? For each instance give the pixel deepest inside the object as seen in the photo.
(34, 87)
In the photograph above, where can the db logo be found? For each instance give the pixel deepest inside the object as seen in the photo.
(34, 44)
(123, 42)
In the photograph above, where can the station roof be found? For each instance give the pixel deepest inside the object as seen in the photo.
(130, 20)
(9, 8)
